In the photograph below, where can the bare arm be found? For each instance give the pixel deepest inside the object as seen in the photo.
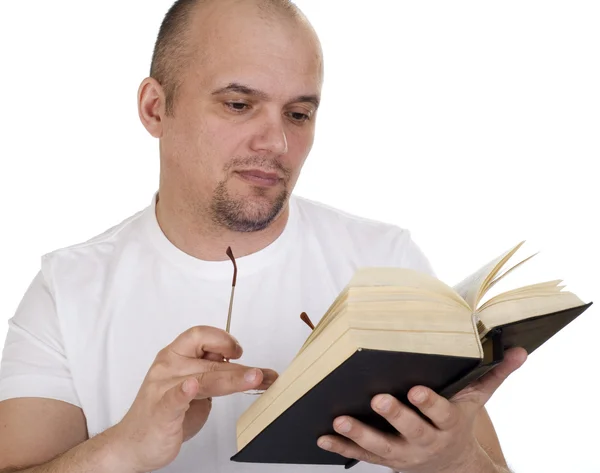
(44, 435)
(487, 438)
(172, 405)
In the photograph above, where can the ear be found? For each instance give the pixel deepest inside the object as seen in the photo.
(151, 106)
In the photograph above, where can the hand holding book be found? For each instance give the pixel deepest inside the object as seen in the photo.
(417, 445)
(388, 331)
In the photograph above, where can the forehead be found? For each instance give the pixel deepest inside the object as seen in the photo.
(279, 55)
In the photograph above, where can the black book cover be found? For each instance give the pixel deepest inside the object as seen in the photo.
(348, 390)
(532, 333)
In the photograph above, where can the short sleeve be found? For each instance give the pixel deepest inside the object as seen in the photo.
(34, 363)
(410, 255)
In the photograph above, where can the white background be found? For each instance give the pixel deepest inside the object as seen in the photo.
(474, 124)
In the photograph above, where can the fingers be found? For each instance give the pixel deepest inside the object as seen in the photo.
(441, 412)
(224, 382)
(222, 378)
(445, 414)
(176, 401)
(348, 449)
(198, 341)
(406, 421)
(269, 375)
(362, 442)
(215, 378)
(213, 357)
(381, 444)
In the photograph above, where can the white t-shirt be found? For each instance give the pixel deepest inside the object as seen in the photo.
(97, 313)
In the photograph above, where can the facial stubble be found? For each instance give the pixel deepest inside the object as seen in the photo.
(246, 214)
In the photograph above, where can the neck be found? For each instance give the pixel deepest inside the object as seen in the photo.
(203, 240)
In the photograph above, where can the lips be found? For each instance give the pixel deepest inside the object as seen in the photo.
(260, 178)
(260, 174)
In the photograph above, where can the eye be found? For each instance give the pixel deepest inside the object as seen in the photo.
(299, 117)
(237, 106)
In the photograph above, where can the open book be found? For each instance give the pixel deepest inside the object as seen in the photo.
(389, 330)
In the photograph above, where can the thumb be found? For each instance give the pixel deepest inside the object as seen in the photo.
(176, 401)
(490, 382)
(196, 417)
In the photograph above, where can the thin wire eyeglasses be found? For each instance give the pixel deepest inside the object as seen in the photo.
(303, 316)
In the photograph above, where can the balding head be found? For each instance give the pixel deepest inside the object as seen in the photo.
(233, 97)
(179, 40)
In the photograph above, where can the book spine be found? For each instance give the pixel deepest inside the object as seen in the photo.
(494, 344)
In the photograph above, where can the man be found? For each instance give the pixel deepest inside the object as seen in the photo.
(117, 361)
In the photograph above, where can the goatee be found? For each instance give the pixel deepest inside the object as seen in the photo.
(245, 214)
(253, 213)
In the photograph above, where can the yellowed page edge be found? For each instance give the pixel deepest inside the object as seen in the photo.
(506, 312)
(452, 344)
(503, 275)
(469, 288)
(531, 290)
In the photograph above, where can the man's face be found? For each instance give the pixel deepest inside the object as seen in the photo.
(244, 118)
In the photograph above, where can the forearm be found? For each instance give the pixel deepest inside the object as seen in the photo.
(100, 454)
(479, 462)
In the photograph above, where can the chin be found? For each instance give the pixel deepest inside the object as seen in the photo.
(260, 208)
(250, 213)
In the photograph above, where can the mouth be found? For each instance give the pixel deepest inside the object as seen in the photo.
(261, 178)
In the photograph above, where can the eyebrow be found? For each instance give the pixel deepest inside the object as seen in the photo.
(245, 90)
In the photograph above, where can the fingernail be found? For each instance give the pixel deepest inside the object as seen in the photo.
(344, 426)
(268, 380)
(384, 404)
(420, 395)
(187, 386)
(324, 444)
(250, 376)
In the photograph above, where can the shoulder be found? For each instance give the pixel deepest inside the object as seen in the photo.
(87, 260)
(367, 241)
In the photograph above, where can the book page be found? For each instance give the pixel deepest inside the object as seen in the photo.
(395, 279)
(402, 277)
(512, 310)
(499, 278)
(532, 290)
(472, 288)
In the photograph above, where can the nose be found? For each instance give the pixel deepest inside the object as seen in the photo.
(270, 136)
